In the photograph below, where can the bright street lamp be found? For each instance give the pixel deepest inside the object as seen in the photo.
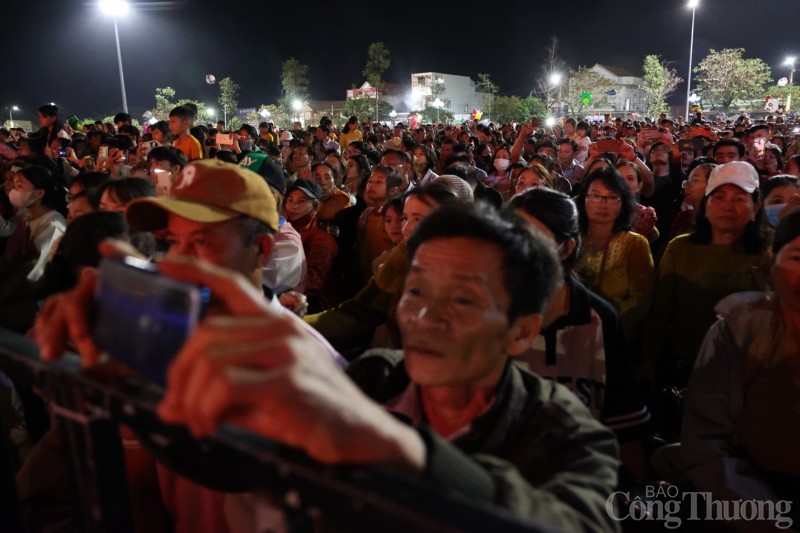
(790, 63)
(693, 4)
(11, 116)
(213, 112)
(555, 78)
(115, 9)
(265, 113)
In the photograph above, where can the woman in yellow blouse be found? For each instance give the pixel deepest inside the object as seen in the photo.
(350, 133)
(614, 262)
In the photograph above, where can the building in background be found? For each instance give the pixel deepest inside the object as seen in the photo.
(629, 98)
(460, 96)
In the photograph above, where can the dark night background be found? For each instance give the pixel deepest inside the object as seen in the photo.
(64, 51)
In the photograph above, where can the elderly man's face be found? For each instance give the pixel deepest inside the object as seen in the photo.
(453, 314)
(219, 243)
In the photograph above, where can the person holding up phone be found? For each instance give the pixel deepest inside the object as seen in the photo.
(227, 216)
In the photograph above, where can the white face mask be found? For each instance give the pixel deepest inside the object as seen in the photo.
(502, 164)
(20, 199)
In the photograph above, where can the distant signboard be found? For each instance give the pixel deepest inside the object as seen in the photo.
(369, 92)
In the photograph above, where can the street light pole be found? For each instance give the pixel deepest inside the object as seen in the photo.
(115, 8)
(790, 61)
(693, 5)
(11, 116)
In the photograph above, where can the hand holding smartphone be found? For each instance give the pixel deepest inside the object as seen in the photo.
(142, 318)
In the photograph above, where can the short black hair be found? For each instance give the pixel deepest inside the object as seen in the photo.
(531, 271)
(570, 142)
(170, 154)
(183, 112)
(555, 210)
(122, 117)
(128, 189)
(730, 142)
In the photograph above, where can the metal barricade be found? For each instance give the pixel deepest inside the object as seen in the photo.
(351, 498)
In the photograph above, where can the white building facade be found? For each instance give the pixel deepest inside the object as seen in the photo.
(460, 96)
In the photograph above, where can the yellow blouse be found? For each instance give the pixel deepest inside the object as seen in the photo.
(623, 274)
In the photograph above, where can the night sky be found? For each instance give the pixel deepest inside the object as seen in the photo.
(64, 51)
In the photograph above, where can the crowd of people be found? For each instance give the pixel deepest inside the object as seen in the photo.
(533, 315)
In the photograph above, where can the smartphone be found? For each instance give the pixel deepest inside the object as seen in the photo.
(63, 152)
(700, 132)
(102, 154)
(608, 145)
(142, 318)
(224, 139)
(650, 134)
(694, 144)
(123, 157)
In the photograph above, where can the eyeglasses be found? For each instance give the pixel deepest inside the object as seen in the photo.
(612, 199)
(686, 183)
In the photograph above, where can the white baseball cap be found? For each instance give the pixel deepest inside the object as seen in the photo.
(739, 173)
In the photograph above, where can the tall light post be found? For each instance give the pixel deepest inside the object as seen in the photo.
(555, 81)
(693, 4)
(11, 115)
(438, 105)
(297, 105)
(790, 63)
(115, 9)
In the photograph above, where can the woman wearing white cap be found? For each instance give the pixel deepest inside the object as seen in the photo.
(722, 256)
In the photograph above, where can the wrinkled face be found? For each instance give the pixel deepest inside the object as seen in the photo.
(219, 243)
(414, 211)
(729, 209)
(324, 178)
(300, 157)
(726, 154)
(453, 314)
(393, 225)
(786, 275)
(297, 205)
(603, 204)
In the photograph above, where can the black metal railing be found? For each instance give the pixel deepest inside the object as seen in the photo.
(89, 411)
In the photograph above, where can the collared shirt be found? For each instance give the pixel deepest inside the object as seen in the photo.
(574, 172)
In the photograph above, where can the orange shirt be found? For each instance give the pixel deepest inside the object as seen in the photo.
(190, 146)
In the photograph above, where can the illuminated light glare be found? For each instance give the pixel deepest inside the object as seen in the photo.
(152, 121)
(694, 3)
(555, 78)
(114, 8)
(297, 105)
(550, 122)
(790, 61)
